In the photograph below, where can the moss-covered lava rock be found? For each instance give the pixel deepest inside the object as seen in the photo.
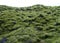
(34, 24)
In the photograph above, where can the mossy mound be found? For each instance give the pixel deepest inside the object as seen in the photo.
(34, 24)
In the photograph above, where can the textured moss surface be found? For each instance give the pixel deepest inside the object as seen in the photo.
(34, 24)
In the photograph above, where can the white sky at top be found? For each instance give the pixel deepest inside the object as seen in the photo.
(25, 3)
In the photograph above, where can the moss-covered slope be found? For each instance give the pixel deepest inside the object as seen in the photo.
(35, 24)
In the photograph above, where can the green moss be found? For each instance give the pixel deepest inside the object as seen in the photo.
(34, 24)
